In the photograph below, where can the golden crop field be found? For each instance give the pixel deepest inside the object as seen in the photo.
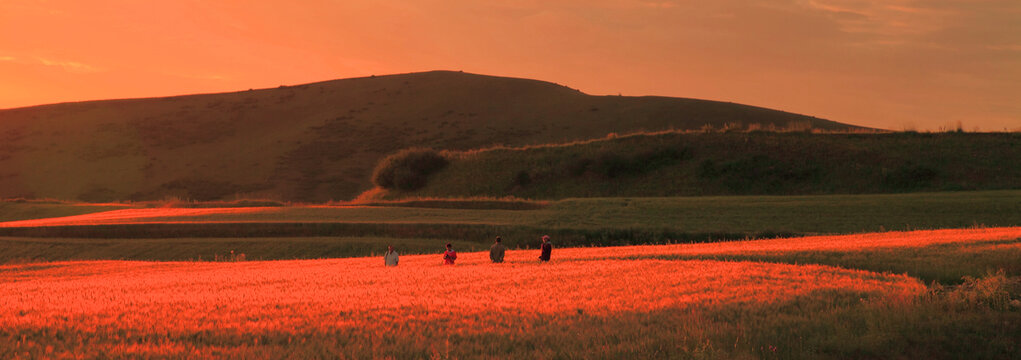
(213, 309)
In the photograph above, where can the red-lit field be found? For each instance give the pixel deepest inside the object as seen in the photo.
(315, 294)
(183, 309)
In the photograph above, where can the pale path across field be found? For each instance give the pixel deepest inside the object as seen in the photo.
(131, 216)
(303, 214)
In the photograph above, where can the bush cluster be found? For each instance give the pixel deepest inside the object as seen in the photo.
(408, 169)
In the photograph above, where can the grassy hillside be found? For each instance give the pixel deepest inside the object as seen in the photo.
(756, 163)
(313, 142)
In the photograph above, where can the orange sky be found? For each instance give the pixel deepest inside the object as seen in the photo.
(892, 64)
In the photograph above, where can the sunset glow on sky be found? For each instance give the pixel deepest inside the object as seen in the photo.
(891, 64)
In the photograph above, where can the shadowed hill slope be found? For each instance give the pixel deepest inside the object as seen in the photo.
(313, 142)
(757, 163)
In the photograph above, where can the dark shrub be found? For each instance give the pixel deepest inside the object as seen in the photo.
(408, 169)
(609, 165)
(654, 159)
(577, 166)
(522, 178)
(708, 169)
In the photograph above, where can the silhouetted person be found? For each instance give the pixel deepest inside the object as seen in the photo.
(449, 256)
(496, 251)
(547, 249)
(390, 258)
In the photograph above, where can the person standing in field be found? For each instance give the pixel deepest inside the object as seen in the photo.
(496, 251)
(390, 258)
(547, 249)
(449, 256)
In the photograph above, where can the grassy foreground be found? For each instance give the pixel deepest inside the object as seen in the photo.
(625, 302)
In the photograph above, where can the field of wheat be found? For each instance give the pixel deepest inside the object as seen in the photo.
(358, 307)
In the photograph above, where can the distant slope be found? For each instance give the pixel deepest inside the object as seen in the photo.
(678, 164)
(313, 142)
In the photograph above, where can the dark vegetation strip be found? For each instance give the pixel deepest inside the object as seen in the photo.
(470, 204)
(517, 235)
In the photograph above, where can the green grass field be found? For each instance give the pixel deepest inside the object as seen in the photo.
(824, 214)
(13, 210)
(319, 232)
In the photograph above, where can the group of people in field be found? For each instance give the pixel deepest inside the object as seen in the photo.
(496, 253)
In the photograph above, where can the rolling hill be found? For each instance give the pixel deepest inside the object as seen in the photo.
(314, 142)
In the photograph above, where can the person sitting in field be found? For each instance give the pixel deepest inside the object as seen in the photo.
(390, 258)
(496, 251)
(449, 256)
(547, 248)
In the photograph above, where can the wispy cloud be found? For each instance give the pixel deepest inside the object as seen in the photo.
(659, 4)
(887, 20)
(215, 77)
(70, 66)
(66, 65)
(1011, 47)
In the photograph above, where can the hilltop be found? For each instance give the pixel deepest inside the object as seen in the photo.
(315, 142)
